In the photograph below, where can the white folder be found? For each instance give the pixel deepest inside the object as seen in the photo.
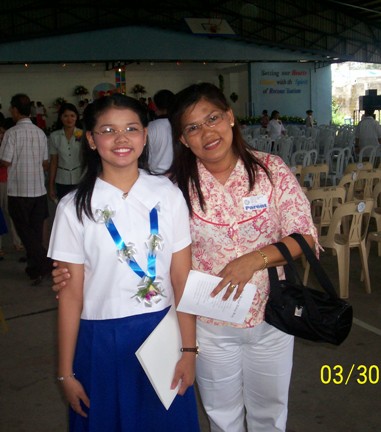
(159, 355)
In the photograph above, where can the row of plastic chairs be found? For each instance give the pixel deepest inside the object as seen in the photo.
(345, 221)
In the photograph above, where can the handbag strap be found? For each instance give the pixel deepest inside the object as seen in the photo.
(290, 267)
(317, 268)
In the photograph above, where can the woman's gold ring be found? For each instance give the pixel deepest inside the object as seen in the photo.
(233, 286)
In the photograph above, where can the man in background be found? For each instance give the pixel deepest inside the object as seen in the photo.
(25, 152)
(160, 134)
(368, 132)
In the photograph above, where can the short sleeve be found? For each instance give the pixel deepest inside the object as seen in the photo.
(180, 221)
(52, 144)
(66, 240)
(7, 147)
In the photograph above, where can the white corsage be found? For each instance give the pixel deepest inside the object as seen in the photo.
(104, 216)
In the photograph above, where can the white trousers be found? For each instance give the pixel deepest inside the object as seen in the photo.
(244, 369)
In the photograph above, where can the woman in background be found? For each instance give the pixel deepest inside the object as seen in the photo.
(65, 151)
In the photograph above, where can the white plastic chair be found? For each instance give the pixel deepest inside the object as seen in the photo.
(355, 215)
(335, 160)
(283, 148)
(368, 154)
(301, 157)
(323, 202)
(312, 174)
(365, 183)
(376, 212)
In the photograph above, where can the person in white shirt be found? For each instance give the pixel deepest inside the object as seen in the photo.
(367, 132)
(25, 152)
(160, 134)
(275, 128)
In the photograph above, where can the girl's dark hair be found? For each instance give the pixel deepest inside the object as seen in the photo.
(67, 107)
(91, 161)
(184, 167)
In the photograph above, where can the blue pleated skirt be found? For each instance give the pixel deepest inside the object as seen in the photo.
(121, 397)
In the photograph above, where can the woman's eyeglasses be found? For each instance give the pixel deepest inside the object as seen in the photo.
(129, 131)
(194, 129)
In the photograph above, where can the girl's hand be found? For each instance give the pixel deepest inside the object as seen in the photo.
(184, 372)
(75, 394)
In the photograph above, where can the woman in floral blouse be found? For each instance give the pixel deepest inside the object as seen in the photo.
(65, 153)
(241, 201)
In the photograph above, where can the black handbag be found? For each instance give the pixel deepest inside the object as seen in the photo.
(308, 313)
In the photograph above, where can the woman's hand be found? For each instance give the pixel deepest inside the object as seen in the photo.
(237, 274)
(60, 276)
(75, 394)
(184, 372)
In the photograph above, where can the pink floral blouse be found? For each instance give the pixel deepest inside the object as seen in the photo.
(236, 222)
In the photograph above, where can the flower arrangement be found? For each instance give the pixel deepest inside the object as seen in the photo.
(80, 90)
(78, 134)
(138, 90)
(58, 102)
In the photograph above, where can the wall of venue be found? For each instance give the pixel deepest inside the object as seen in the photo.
(47, 82)
(188, 58)
(291, 89)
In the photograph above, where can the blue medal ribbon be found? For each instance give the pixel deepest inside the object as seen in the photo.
(154, 240)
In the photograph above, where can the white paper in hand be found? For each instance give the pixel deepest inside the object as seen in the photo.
(159, 355)
(196, 299)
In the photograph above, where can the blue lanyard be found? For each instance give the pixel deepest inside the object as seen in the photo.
(126, 251)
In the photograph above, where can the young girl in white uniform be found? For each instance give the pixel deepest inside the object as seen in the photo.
(124, 235)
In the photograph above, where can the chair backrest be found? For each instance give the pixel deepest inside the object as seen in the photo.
(359, 166)
(365, 183)
(353, 216)
(264, 144)
(335, 159)
(377, 195)
(313, 155)
(301, 157)
(368, 153)
(326, 143)
(313, 175)
(297, 171)
(348, 183)
(283, 148)
(325, 200)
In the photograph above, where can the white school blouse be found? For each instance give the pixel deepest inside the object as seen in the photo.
(110, 285)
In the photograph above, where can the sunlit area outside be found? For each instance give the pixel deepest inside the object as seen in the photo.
(350, 81)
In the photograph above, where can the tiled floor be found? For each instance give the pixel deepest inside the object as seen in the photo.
(320, 399)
